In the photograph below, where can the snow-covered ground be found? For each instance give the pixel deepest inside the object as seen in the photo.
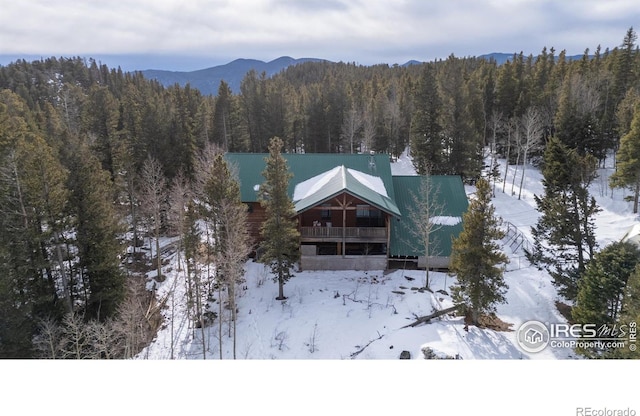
(362, 314)
(352, 314)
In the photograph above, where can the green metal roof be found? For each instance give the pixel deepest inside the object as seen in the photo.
(342, 180)
(305, 166)
(449, 193)
(399, 199)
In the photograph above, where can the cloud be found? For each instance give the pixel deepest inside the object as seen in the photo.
(311, 6)
(366, 31)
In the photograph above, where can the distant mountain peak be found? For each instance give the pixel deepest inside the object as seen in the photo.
(208, 80)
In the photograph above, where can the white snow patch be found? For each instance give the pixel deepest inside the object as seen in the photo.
(404, 165)
(313, 185)
(372, 182)
(445, 220)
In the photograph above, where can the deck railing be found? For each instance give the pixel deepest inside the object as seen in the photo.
(349, 232)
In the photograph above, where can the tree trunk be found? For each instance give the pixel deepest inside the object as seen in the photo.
(427, 318)
(220, 320)
(65, 279)
(280, 289)
(426, 266)
(515, 173)
(232, 302)
(158, 258)
(475, 316)
(524, 167)
(636, 196)
(506, 168)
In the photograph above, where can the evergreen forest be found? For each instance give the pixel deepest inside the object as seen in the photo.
(93, 160)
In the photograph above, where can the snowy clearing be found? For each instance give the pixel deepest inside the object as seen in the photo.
(360, 314)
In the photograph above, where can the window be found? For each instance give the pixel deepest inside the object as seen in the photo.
(367, 216)
(325, 214)
(362, 211)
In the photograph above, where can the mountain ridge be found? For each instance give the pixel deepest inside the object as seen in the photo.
(207, 80)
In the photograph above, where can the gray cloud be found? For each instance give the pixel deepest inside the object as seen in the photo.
(311, 6)
(365, 31)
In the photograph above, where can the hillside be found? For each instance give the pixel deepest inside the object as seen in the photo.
(361, 314)
(208, 80)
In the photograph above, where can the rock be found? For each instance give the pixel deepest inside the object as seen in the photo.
(405, 355)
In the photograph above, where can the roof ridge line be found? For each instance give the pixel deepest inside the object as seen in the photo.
(344, 177)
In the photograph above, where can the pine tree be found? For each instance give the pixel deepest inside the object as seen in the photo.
(627, 174)
(576, 121)
(33, 194)
(623, 67)
(16, 325)
(427, 146)
(98, 233)
(463, 141)
(222, 118)
(100, 119)
(281, 245)
(476, 259)
(601, 288)
(564, 236)
(253, 101)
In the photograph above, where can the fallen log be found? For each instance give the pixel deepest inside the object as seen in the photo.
(427, 318)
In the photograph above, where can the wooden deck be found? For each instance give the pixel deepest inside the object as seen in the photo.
(350, 234)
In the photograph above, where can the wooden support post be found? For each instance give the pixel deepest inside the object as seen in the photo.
(344, 225)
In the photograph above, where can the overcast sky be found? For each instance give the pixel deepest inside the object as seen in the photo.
(144, 34)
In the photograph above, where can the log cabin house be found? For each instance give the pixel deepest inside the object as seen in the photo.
(352, 213)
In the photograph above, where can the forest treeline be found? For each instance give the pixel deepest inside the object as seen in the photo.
(75, 136)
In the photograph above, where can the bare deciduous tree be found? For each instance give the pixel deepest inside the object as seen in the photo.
(152, 191)
(47, 342)
(233, 252)
(532, 129)
(75, 344)
(137, 318)
(518, 142)
(351, 125)
(368, 132)
(179, 196)
(425, 215)
(512, 127)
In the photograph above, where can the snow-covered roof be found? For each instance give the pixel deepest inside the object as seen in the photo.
(303, 167)
(341, 179)
(633, 235)
(313, 185)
